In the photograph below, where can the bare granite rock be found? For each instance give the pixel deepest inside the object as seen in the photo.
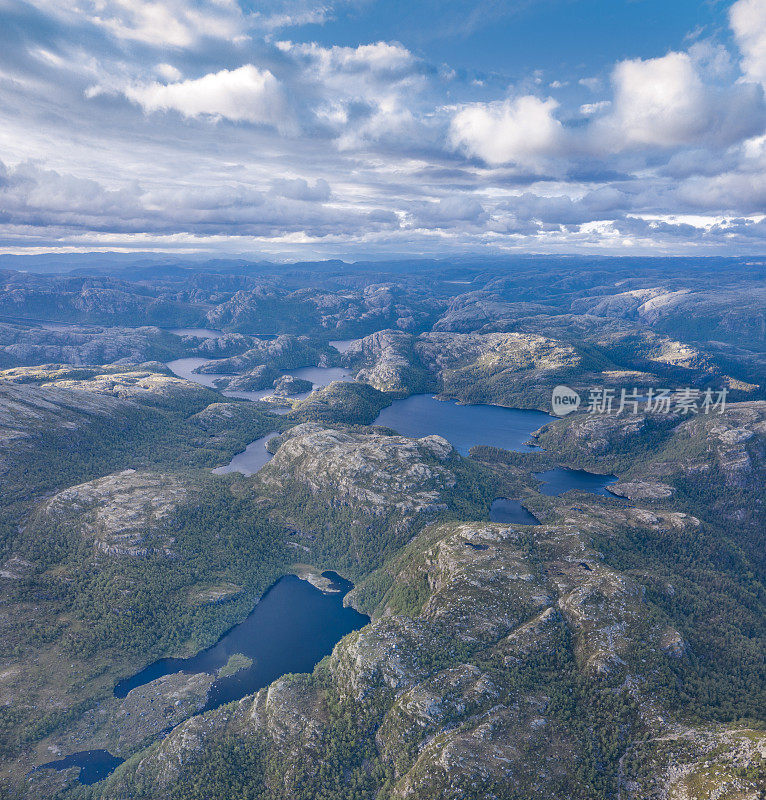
(371, 472)
(118, 510)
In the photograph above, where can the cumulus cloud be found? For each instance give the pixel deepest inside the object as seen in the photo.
(748, 21)
(520, 130)
(363, 94)
(247, 94)
(169, 72)
(589, 109)
(663, 102)
(378, 58)
(450, 212)
(601, 204)
(416, 152)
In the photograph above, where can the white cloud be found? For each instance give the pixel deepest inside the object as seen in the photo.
(673, 135)
(663, 102)
(173, 23)
(247, 94)
(660, 101)
(589, 109)
(301, 189)
(520, 130)
(377, 58)
(169, 72)
(594, 84)
(748, 21)
(732, 193)
(450, 212)
(362, 94)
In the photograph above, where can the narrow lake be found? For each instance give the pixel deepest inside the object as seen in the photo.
(342, 345)
(184, 368)
(251, 459)
(201, 333)
(562, 479)
(291, 629)
(319, 376)
(463, 426)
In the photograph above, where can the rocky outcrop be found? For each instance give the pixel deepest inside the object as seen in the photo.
(289, 385)
(254, 380)
(480, 312)
(77, 344)
(118, 511)
(284, 352)
(388, 362)
(341, 403)
(642, 490)
(373, 473)
(504, 368)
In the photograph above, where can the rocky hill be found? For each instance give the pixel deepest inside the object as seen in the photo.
(518, 665)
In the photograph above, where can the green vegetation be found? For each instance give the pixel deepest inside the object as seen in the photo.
(608, 651)
(236, 662)
(342, 403)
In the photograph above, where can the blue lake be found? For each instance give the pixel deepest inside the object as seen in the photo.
(94, 765)
(511, 511)
(562, 479)
(463, 426)
(291, 629)
(251, 459)
(319, 376)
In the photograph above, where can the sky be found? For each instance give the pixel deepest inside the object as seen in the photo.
(361, 129)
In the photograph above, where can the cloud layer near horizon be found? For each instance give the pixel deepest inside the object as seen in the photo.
(199, 125)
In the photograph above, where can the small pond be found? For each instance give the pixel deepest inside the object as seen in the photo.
(251, 459)
(562, 479)
(94, 765)
(504, 509)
